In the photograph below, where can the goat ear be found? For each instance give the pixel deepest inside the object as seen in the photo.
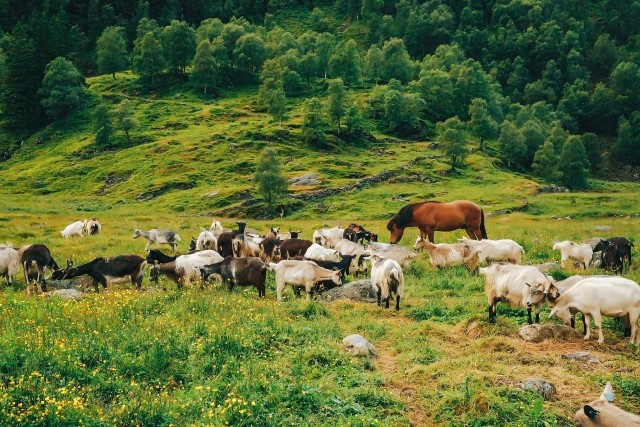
(527, 284)
(607, 394)
(590, 412)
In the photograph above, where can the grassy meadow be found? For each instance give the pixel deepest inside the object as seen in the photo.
(210, 357)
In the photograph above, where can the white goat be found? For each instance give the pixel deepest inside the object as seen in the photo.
(206, 240)
(216, 228)
(74, 229)
(448, 254)
(92, 227)
(319, 253)
(189, 265)
(601, 296)
(510, 283)
(496, 250)
(398, 253)
(580, 252)
(386, 278)
(9, 262)
(329, 233)
(301, 274)
(347, 247)
(158, 236)
(603, 413)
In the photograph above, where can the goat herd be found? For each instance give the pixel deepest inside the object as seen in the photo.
(243, 257)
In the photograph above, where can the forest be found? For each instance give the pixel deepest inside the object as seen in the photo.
(553, 83)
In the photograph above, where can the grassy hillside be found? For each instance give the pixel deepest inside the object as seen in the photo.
(210, 357)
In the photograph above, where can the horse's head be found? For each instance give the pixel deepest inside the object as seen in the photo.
(396, 231)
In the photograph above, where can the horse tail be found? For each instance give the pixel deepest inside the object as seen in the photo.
(482, 229)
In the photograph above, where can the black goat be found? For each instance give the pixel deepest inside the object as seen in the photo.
(107, 270)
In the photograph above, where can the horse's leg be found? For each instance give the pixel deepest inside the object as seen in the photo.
(473, 234)
(430, 232)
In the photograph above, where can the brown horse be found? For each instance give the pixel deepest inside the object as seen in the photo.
(434, 216)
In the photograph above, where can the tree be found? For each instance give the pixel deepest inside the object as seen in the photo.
(111, 50)
(574, 164)
(249, 53)
(373, 63)
(481, 124)
(271, 95)
(179, 42)
(396, 63)
(125, 121)
(592, 148)
(62, 88)
(346, 63)
(324, 48)
(314, 126)
(149, 60)
(452, 140)
(103, 127)
(512, 145)
(268, 178)
(205, 70)
(627, 145)
(545, 162)
(308, 66)
(355, 122)
(336, 101)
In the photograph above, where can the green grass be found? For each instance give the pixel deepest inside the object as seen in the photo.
(203, 357)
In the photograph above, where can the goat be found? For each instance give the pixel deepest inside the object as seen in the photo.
(348, 247)
(225, 239)
(448, 254)
(496, 250)
(104, 271)
(158, 237)
(316, 251)
(398, 253)
(603, 413)
(510, 283)
(206, 240)
(350, 235)
(329, 233)
(289, 235)
(386, 278)
(92, 227)
(246, 245)
(342, 266)
(250, 271)
(598, 296)
(216, 228)
(9, 262)
(301, 274)
(269, 249)
(362, 234)
(294, 247)
(580, 252)
(155, 255)
(74, 229)
(184, 268)
(36, 259)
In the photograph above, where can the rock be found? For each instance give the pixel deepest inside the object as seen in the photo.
(66, 294)
(544, 388)
(548, 266)
(359, 290)
(581, 356)
(359, 346)
(596, 260)
(593, 242)
(602, 228)
(306, 179)
(538, 333)
(80, 282)
(552, 189)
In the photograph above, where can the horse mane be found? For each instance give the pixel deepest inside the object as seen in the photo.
(402, 218)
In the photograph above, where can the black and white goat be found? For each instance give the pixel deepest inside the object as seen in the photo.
(35, 259)
(103, 271)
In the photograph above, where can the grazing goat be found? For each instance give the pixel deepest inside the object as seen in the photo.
(35, 259)
(270, 249)
(303, 274)
(342, 267)
(446, 254)
(294, 247)
(185, 268)
(158, 237)
(74, 229)
(601, 296)
(206, 240)
(225, 240)
(510, 283)
(92, 227)
(603, 413)
(9, 262)
(362, 234)
(104, 271)
(318, 252)
(155, 255)
(505, 250)
(580, 252)
(329, 233)
(348, 247)
(250, 271)
(386, 278)
(400, 254)
(246, 245)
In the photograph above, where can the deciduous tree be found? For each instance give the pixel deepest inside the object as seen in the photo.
(111, 50)
(268, 178)
(62, 88)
